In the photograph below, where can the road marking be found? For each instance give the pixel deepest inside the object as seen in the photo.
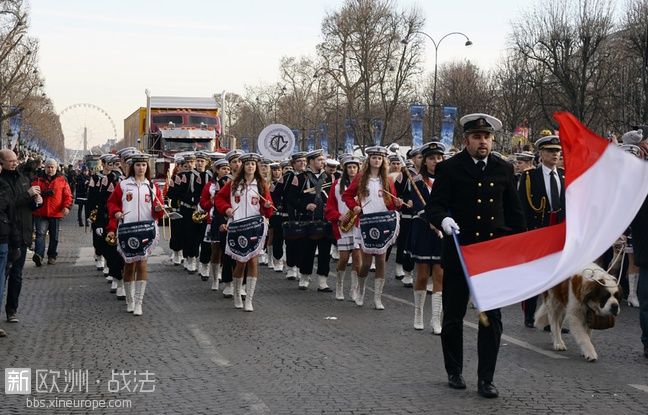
(509, 339)
(256, 404)
(204, 342)
(643, 388)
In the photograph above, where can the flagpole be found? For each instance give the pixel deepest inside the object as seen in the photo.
(483, 318)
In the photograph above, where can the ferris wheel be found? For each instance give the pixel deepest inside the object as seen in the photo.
(86, 126)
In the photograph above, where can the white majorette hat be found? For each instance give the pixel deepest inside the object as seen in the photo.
(314, 154)
(234, 154)
(377, 151)
(332, 163)
(250, 157)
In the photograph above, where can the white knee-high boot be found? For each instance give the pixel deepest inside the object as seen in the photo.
(360, 291)
(251, 286)
(128, 291)
(379, 283)
(238, 283)
(339, 285)
(354, 286)
(214, 272)
(633, 283)
(437, 309)
(140, 287)
(419, 308)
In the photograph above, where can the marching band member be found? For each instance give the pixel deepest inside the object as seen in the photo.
(135, 201)
(476, 191)
(114, 261)
(337, 212)
(227, 264)
(404, 261)
(523, 162)
(217, 223)
(293, 246)
(201, 177)
(331, 168)
(308, 193)
(245, 196)
(264, 168)
(184, 192)
(172, 195)
(92, 205)
(275, 233)
(425, 240)
(372, 191)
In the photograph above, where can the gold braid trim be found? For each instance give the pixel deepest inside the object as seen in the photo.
(543, 201)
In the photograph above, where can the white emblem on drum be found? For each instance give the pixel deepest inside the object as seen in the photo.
(232, 243)
(242, 241)
(374, 233)
(133, 243)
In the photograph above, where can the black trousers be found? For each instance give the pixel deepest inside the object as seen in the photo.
(177, 235)
(98, 242)
(277, 236)
(401, 245)
(307, 256)
(455, 301)
(293, 251)
(205, 252)
(80, 216)
(529, 306)
(226, 261)
(190, 231)
(114, 261)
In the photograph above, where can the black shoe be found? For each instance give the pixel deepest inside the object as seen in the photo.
(400, 277)
(81, 224)
(487, 389)
(529, 324)
(38, 260)
(325, 290)
(303, 288)
(11, 318)
(456, 382)
(204, 278)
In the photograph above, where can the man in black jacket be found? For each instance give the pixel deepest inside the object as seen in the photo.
(476, 191)
(26, 198)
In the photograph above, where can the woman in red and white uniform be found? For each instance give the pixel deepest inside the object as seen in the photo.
(135, 199)
(370, 192)
(245, 196)
(347, 242)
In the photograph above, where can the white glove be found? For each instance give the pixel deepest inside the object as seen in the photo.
(99, 231)
(449, 226)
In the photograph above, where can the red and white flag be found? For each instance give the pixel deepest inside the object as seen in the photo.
(605, 187)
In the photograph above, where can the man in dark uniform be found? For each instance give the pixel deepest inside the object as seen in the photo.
(476, 191)
(184, 191)
(308, 193)
(404, 262)
(92, 205)
(523, 162)
(293, 247)
(543, 199)
(177, 234)
(114, 260)
(202, 175)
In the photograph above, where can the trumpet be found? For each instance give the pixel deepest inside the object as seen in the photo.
(111, 239)
(348, 221)
(92, 216)
(198, 216)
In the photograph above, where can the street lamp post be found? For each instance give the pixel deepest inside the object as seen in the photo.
(436, 56)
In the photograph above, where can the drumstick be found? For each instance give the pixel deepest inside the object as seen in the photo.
(312, 189)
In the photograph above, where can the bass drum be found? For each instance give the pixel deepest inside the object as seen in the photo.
(294, 229)
(319, 229)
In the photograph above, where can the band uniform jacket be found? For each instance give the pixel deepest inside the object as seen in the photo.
(532, 191)
(485, 204)
(302, 191)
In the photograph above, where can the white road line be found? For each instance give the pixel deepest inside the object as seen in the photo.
(643, 388)
(256, 404)
(509, 339)
(204, 342)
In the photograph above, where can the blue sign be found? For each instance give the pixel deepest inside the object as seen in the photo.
(448, 122)
(350, 136)
(298, 143)
(417, 112)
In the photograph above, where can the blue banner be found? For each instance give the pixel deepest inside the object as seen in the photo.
(298, 142)
(310, 142)
(448, 122)
(350, 136)
(324, 141)
(245, 144)
(417, 112)
(377, 130)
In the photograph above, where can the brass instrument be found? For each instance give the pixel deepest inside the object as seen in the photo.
(198, 216)
(111, 239)
(348, 221)
(92, 216)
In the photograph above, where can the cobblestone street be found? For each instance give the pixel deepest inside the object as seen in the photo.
(297, 353)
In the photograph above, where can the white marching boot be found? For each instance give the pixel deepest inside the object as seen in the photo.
(633, 282)
(192, 264)
(372, 267)
(140, 287)
(215, 273)
(437, 309)
(203, 270)
(177, 257)
(292, 273)
(419, 308)
(379, 283)
(303, 281)
(271, 259)
(360, 291)
(430, 286)
(408, 281)
(354, 286)
(263, 258)
(121, 293)
(99, 262)
(228, 291)
(238, 302)
(339, 285)
(128, 291)
(251, 286)
(335, 254)
(399, 271)
(113, 286)
(323, 284)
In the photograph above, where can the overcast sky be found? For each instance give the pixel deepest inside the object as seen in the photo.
(106, 53)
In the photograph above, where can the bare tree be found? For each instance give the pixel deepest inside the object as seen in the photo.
(635, 33)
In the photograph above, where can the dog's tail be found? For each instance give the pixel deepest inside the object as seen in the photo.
(541, 316)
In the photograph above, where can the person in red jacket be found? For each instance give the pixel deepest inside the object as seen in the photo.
(372, 191)
(245, 196)
(57, 201)
(347, 243)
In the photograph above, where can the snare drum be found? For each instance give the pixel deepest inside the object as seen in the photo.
(294, 229)
(246, 238)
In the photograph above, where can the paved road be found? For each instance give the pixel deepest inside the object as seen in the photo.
(298, 353)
